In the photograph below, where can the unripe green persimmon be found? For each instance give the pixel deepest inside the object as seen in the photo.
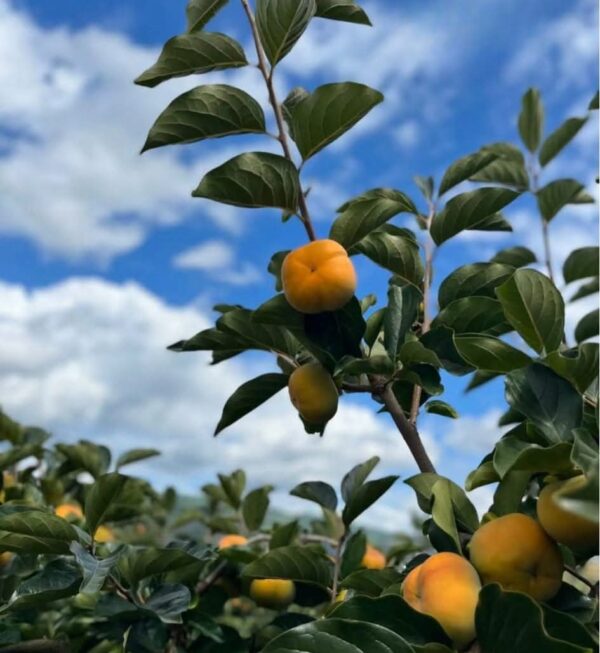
(313, 393)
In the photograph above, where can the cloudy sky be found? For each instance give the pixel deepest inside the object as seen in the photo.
(105, 258)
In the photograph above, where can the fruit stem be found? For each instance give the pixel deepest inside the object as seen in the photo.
(427, 279)
(267, 73)
(407, 429)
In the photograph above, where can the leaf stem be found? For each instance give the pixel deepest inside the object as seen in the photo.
(337, 566)
(427, 279)
(267, 73)
(534, 175)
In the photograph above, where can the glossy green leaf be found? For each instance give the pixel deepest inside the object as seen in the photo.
(474, 279)
(84, 456)
(34, 531)
(105, 491)
(365, 496)
(139, 563)
(339, 636)
(473, 315)
(397, 615)
(441, 341)
(321, 117)
(392, 250)
(250, 395)
(192, 54)
(353, 553)
(413, 352)
(168, 602)
(512, 621)
(426, 185)
(468, 210)
(345, 10)
(209, 111)
(199, 12)
(253, 180)
(593, 105)
(559, 138)
(372, 582)
(281, 23)
(508, 169)
(578, 365)
(353, 480)
(233, 486)
(317, 491)
(399, 316)
(586, 289)
(581, 263)
(437, 407)
(512, 454)
(58, 580)
(254, 508)
(135, 455)
(365, 213)
(284, 535)
(516, 256)
(588, 326)
(531, 119)
(490, 354)
(464, 168)
(547, 400)
(552, 197)
(535, 308)
(95, 570)
(306, 564)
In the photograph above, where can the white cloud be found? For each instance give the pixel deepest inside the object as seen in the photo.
(86, 358)
(474, 433)
(408, 134)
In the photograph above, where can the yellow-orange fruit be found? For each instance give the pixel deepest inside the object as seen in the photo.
(8, 480)
(232, 540)
(69, 511)
(318, 277)
(446, 587)
(313, 393)
(104, 534)
(576, 532)
(5, 558)
(274, 593)
(373, 558)
(515, 551)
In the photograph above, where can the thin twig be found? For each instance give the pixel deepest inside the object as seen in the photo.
(534, 187)
(210, 580)
(267, 73)
(427, 279)
(337, 566)
(407, 429)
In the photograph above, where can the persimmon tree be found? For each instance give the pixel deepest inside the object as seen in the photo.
(512, 579)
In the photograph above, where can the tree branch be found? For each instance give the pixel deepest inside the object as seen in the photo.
(407, 429)
(267, 73)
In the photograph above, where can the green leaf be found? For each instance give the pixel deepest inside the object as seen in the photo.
(548, 401)
(588, 326)
(586, 289)
(254, 508)
(58, 580)
(472, 315)
(284, 535)
(393, 250)
(34, 531)
(350, 366)
(554, 196)
(475, 279)
(281, 23)
(440, 340)
(317, 491)
(192, 54)
(15, 454)
(559, 138)
(535, 308)
(531, 119)
(593, 105)
(84, 456)
(426, 185)
(414, 352)
(275, 267)
(168, 602)
(581, 263)
(135, 455)
(582, 501)
(199, 12)
(518, 257)
(249, 396)
(209, 111)
(508, 496)
(371, 582)
(139, 563)
(490, 354)
(397, 615)
(437, 407)
(253, 180)
(485, 474)
(512, 621)
(345, 10)
(465, 168)
(321, 117)
(468, 210)
(339, 636)
(305, 564)
(233, 486)
(355, 478)
(95, 571)
(353, 554)
(578, 365)
(509, 169)
(365, 496)
(400, 315)
(365, 213)
(9, 429)
(105, 491)
(512, 454)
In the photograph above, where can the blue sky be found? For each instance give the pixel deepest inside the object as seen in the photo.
(105, 258)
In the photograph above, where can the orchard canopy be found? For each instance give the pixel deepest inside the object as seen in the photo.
(318, 372)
